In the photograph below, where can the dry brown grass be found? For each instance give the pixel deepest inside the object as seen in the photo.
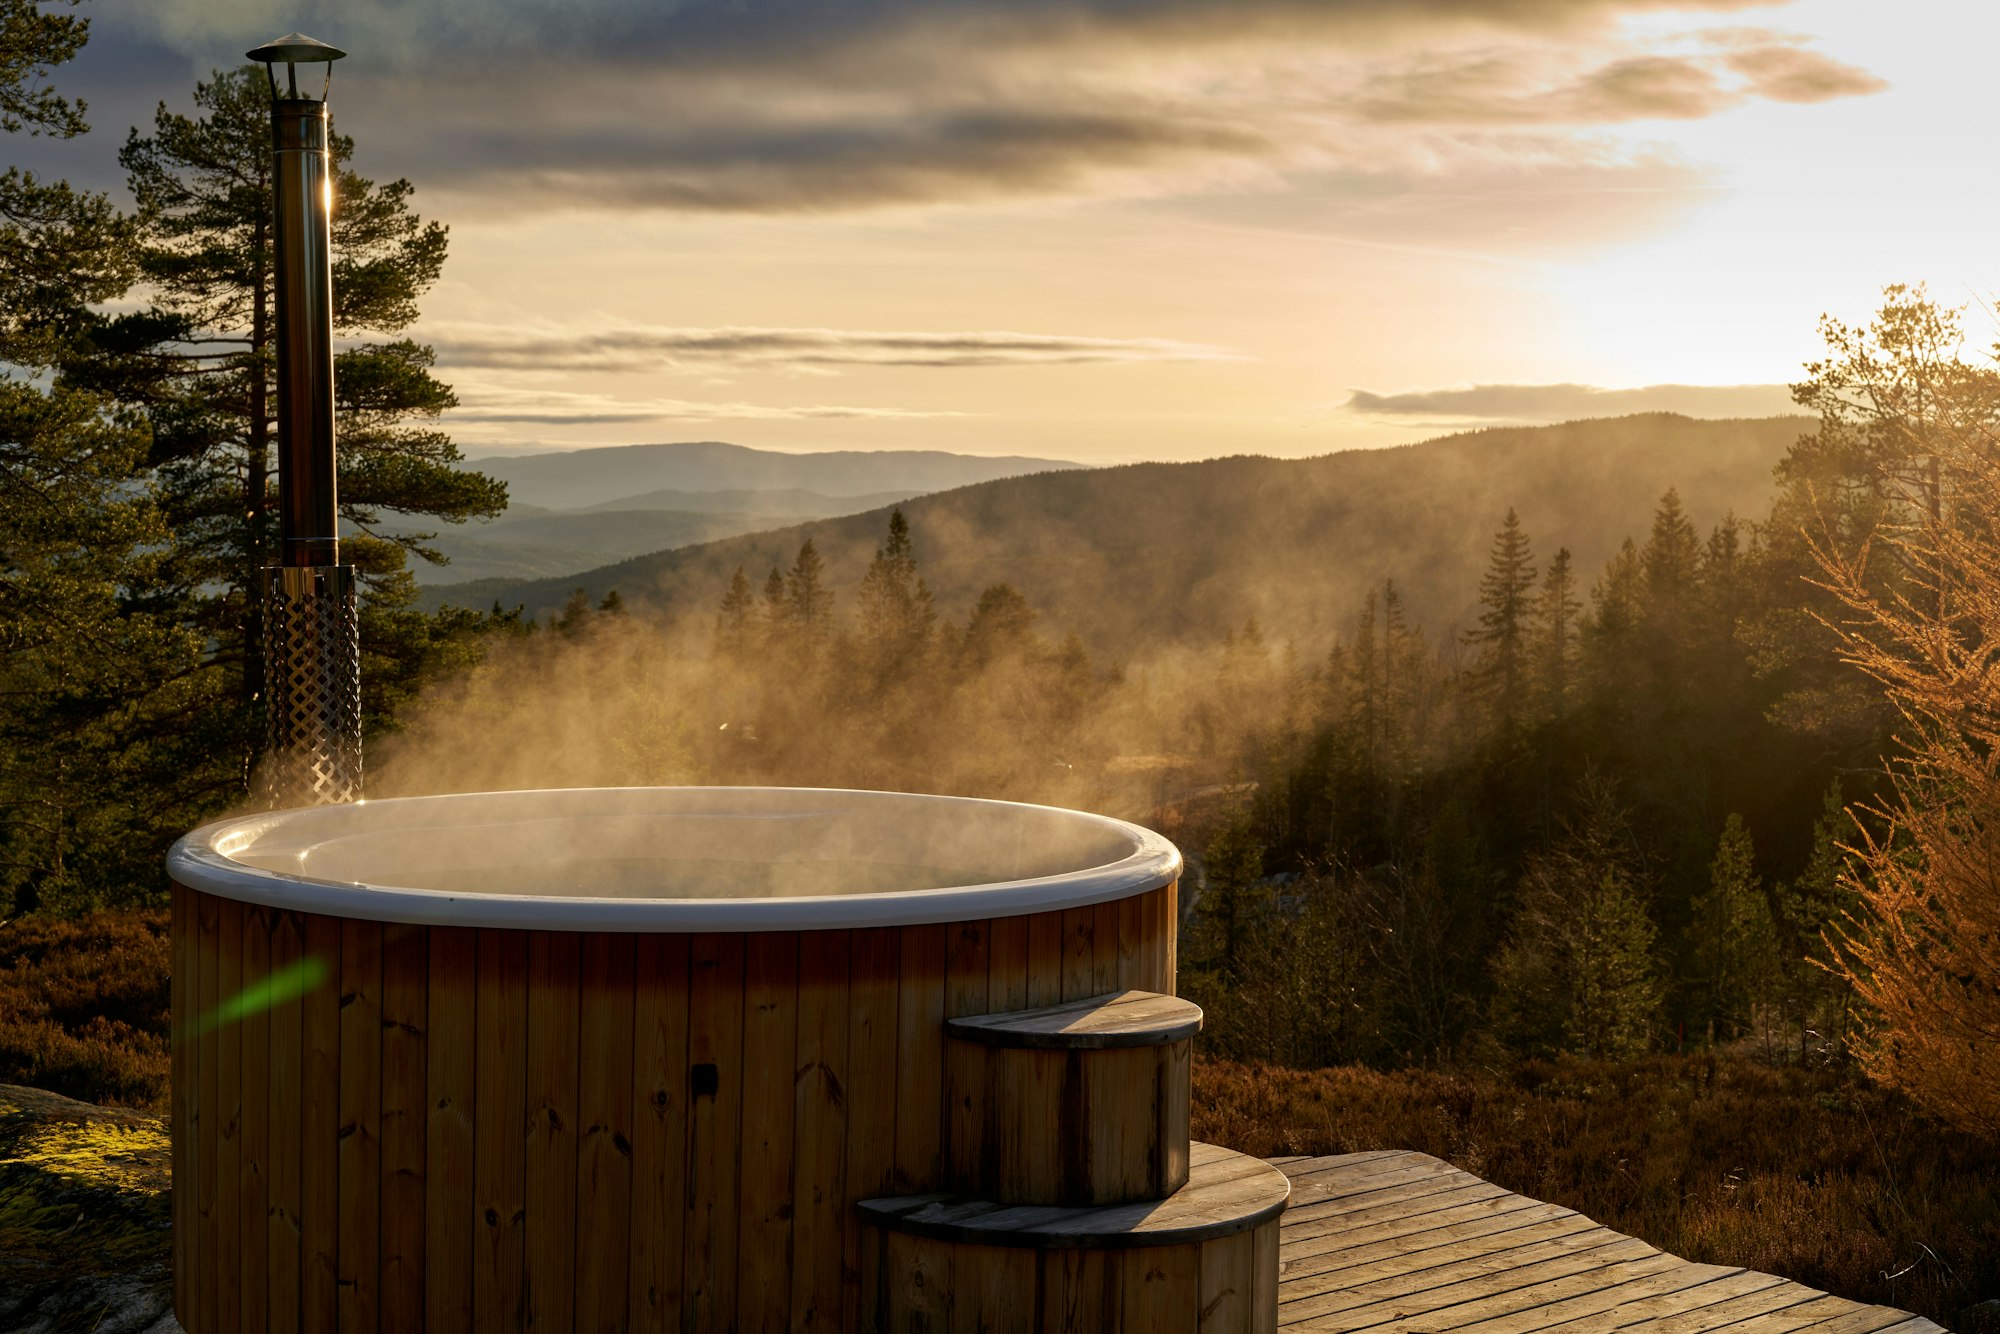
(83, 1006)
(1801, 1173)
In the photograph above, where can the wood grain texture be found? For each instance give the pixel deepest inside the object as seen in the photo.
(380, 1155)
(449, 1207)
(228, 1229)
(715, 1107)
(207, 1097)
(920, 1057)
(183, 1072)
(659, 1130)
(1396, 1243)
(319, 1134)
(967, 989)
(549, 1240)
(287, 1050)
(770, 1054)
(253, 1181)
(1079, 966)
(928, 1285)
(360, 1103)
(1129, 1018)
(603, 1238)
(405, 1101)
(1092, 1125)
(499, 1120)
(874, 976)
(1227, 1193)
(819, 1130)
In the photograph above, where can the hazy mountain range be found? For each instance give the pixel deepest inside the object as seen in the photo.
(1151, 553)
(591, 507)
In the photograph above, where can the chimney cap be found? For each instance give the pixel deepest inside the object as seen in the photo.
(296, 49)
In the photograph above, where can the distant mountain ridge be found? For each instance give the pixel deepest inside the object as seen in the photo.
(580, 478)
(1149, 554)
(584, 508)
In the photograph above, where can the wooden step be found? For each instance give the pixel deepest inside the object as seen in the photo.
(1115, 1019)
(1084, 1103)
(1203, 1261)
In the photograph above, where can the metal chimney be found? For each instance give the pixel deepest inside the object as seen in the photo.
(312, 640)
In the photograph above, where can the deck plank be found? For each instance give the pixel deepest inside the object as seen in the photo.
(1397, 1242)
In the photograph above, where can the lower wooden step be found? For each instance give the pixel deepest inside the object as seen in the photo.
(1202, 1261)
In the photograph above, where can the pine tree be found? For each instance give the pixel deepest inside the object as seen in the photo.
(1576, 972)
(105, 749)
(1815, 994)
(1556, 611)
(199, 361)
(733, 620)
(1002, 626)
(1671, 561)
(776, 610)
(1505, 600)
(895, 607)
(808, 601)
(1733, 943)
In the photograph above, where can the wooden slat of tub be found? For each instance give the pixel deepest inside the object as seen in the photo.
(180, 941)
(448, 1133)
(874, 962)
(253, 1194)
(500, 1108)
(550, 1151)
(770, 1050)
(1132, 973)
(920, 1059)
(405, 1030)
(1079, 962)
(208, 1099)
(715, 1109)
(1170, 912)
(319, 1134)
(1045, 959)
(1007, 964)
(1105, 945)
(229, 1117)
(819, 1130)
(1161, 1289)
(604, 1162)
(967, 991)
(282, 1221)
(360, 1125)
(659, 1131)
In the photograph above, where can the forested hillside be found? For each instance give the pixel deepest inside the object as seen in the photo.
(1155, 554)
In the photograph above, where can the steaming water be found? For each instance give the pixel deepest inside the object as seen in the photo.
(675, 843)
(696, 878)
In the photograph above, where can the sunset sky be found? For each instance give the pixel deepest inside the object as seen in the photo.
(1118, 229)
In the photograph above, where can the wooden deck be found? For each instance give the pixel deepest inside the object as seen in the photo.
(1402, 1243)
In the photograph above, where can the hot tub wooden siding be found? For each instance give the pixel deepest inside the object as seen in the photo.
(486, 1129)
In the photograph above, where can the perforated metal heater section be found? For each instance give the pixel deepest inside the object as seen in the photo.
(312, 686)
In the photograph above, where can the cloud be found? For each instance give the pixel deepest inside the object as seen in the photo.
(1790, 74)
(1490, 90)
(801, 106)
(1565, 402)
(487, 405)
(644, 348)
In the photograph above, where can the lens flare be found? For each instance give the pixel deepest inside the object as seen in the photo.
(287, 983)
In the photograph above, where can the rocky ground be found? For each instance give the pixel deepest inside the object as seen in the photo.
(84, 1219)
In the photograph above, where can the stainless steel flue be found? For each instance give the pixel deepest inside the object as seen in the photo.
(312, 643)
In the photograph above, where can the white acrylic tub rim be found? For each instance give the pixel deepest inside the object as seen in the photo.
(1126, 860)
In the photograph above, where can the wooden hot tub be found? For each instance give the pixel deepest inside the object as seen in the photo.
(602, 1059)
